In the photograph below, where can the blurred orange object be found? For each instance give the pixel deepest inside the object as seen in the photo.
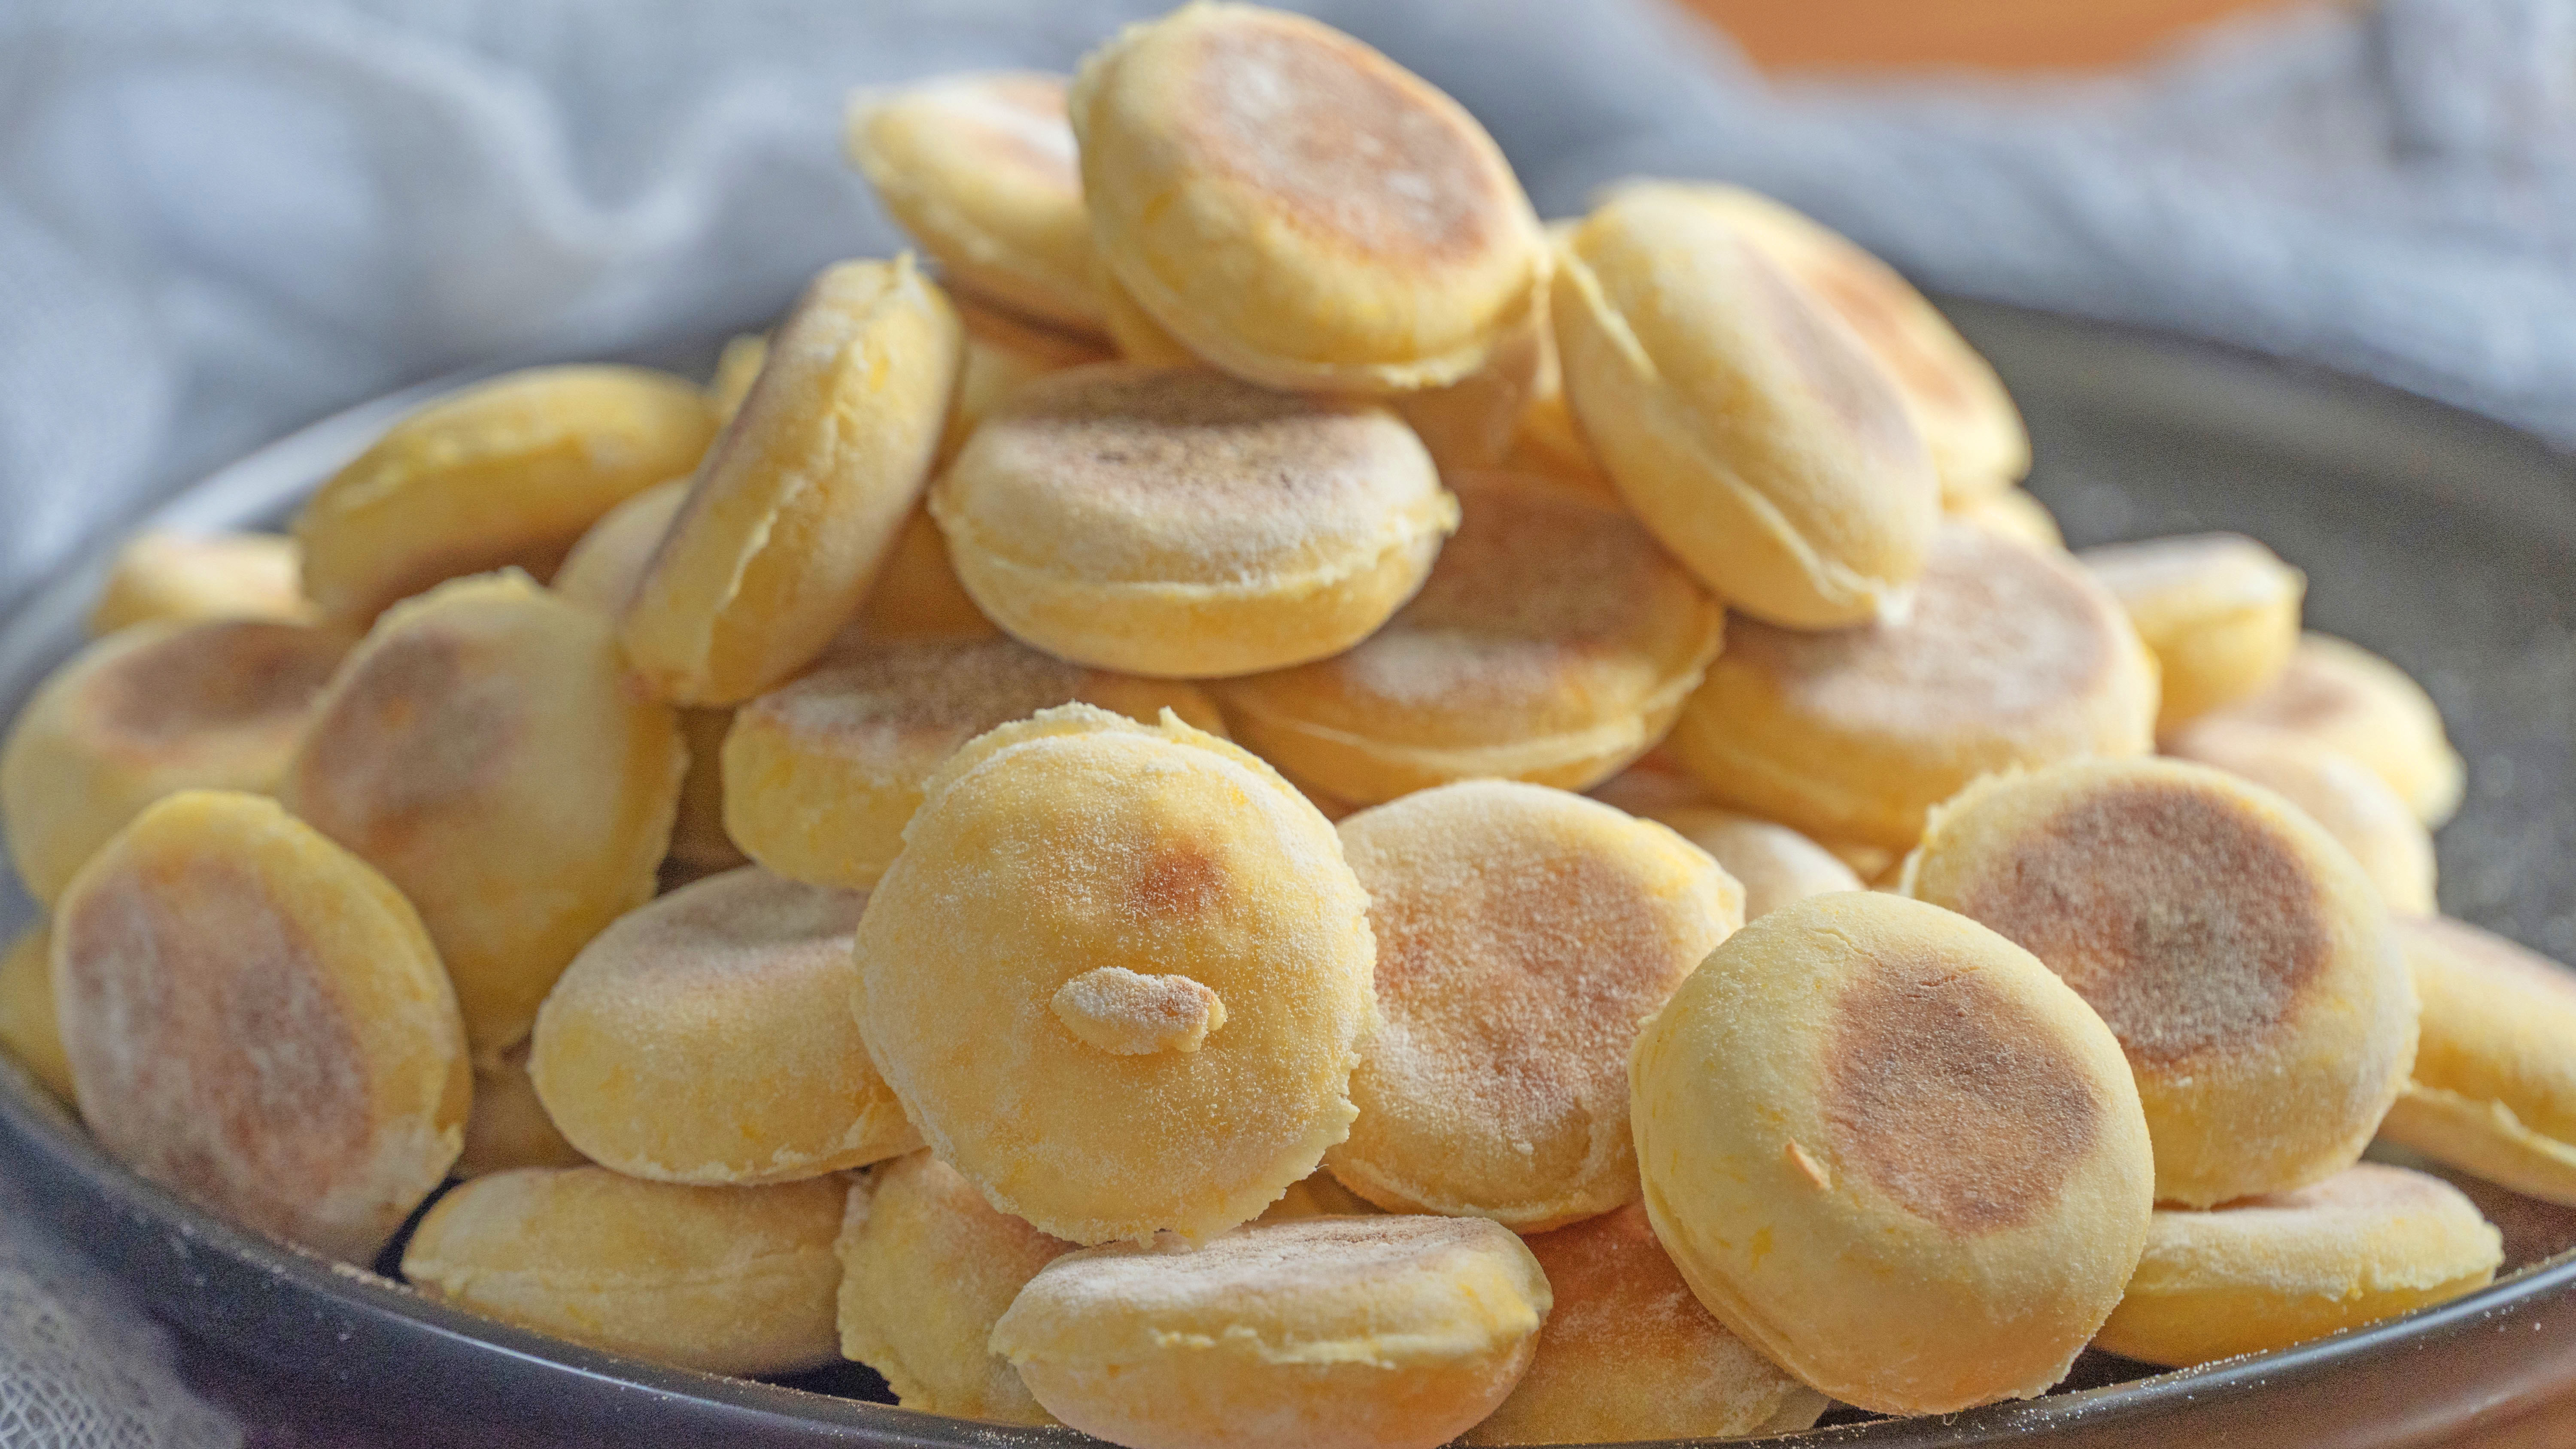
(1990, 34)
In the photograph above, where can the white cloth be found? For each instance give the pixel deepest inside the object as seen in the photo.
(222, 218)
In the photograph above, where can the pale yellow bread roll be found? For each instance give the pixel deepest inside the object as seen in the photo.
(1180, 523)
(600, 574)
(821, 775)
(2220, 611)
(916, 596)
(798, 502)
(1118, 976)
(1744, 422)
(2241, 957)
(1553, 643)
(216, 704)
(730, 1280)
(981, 171)
(2013, 513)
(1523, 936)
(1967, 421)
(1296, 208)
(2338, 792)
(2368, 1243)
(1327, 1333)
(508, 1127)
(1889, 1149)
(1773, 863)
(28, 1029)
(508, 472)
(2009, 658)
(2341, 695)
(160, 576)
(1317, 1195)
(927, 1267)
(257, 1021)
(485, 749)
(1629, 1354)
(2494, 1088)
(737, 368)
(705, 1037)
(1004, 354)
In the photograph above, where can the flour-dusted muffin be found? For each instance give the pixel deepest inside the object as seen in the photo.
(1967, 421)
(1524, 935)
(731, 1280)
(927, 1268)
(256, 1020)
(799, 501)
(2336, 693)
(215, 704)
(1296, 208)
(1890, 1149)
(705, 1037)
(28, 1028)
(822, 775)
(1387, 1332)
(1181, 523)
(2011, 658)
(1118, 977)
(2266, 1272)
(2240, 955)
(981, 170)
(485, 749)
(1775, 864)
(2220, 611)
(2494, 1086)
(508, 472)
(1747, 426)
(1629, 1354)
(160, 576)
(1553, 643)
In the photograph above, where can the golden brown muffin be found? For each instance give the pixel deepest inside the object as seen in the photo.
(1177, 522)
(2241, 957)
(1773, 863)
(1966, 419)
(1326, 1333)
(799, 501)
(705, 1037)
(160, 707)
(981, 171)
(1629, 1354)
(1296, 208)
(27, 1025)
(2014, 514)
(2338, 792)
(2368, 1243)
(1743, 422)
(256, 1020)
(1523, 936)
(1553, 643)
(1888, 1148)
(2494, 1088)
(2011, 658)
(160, 576)
(1004, 354)
(2220, 611)
(822, 775)
(508, 1127)
(730, 1280)
(2343, 696)
(508, 472)
(927, 1267)
(485, 749)
(1317, 1195)
(1118, 976)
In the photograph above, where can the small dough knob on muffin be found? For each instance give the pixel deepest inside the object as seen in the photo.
(1127, 1014)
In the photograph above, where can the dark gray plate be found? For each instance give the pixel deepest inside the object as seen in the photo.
(2444, 542)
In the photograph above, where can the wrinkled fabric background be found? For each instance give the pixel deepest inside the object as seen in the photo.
(220, 219)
